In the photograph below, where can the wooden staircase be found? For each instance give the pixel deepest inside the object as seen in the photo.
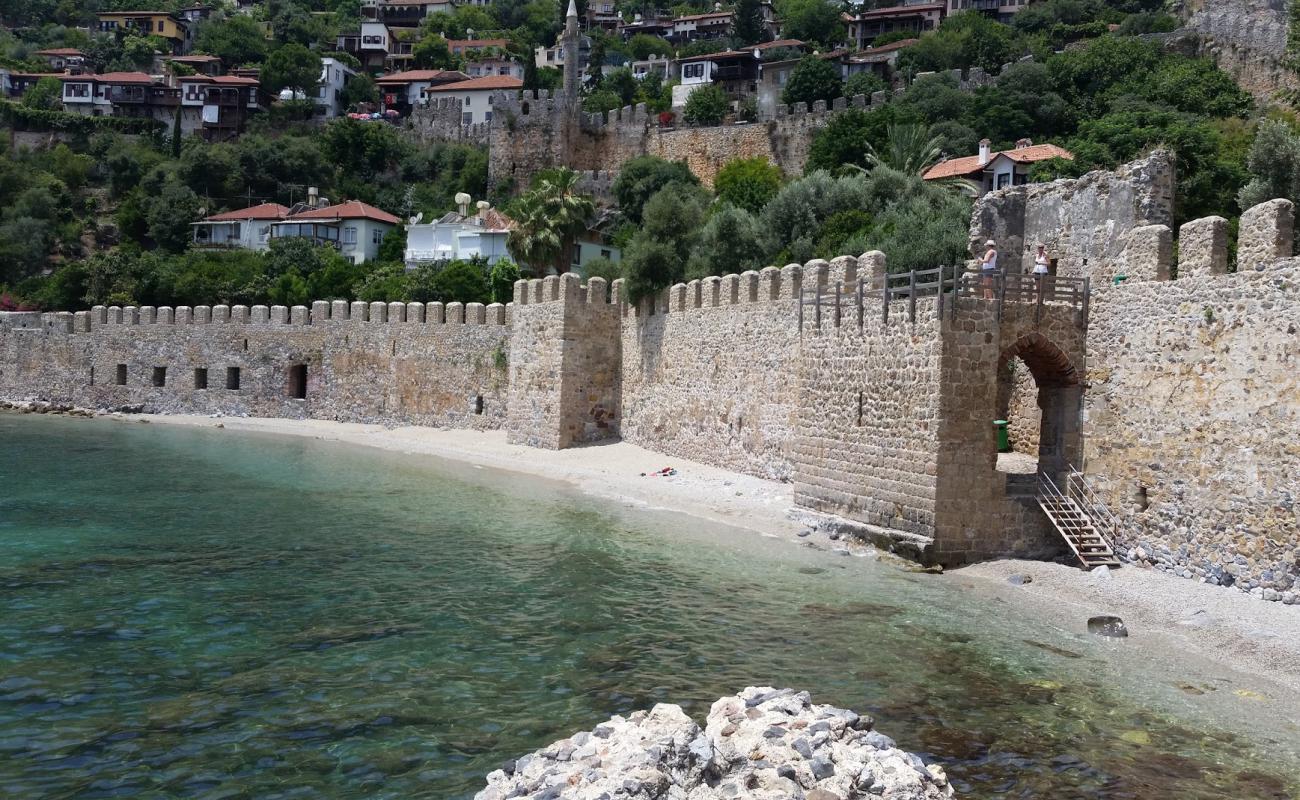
(1079, 518)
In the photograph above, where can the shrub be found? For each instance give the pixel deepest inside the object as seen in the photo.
(748, 183)
(707, 105)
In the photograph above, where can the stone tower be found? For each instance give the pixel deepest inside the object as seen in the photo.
(571, 48)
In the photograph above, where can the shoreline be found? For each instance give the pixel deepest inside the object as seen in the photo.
(1168, 617)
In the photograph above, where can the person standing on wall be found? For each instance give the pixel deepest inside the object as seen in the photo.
(989, 267)
(1042, 268)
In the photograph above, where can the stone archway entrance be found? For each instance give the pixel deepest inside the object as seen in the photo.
(1057, 383)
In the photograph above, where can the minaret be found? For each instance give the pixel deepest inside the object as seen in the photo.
(571, 47)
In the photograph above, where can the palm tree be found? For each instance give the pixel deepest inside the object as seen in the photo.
(549, 217)
(912, 150)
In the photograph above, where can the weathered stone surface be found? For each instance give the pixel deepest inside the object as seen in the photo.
(1203, 247)
(1266, 234)
(763, 744)
(1246, 39)
(1148, 254)
(1081, 221)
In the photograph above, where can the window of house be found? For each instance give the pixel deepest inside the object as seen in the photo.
(577, 254)
(469, 101)
(487, 116)
(376, 236)
(234, 230)
(349, 235)
(467, 118)
(606, 254)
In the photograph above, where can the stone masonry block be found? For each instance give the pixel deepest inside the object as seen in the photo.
(221, 314)
(261, 315)
(360, 311)
(435, 313)
(1149, 253)
(456, 313)
(570, 287)
(299, 315)
(1203, 247)
(597, 291)
(1266, 235)
(396, 312)
(185, 315)
(871, 267)
(791, 281)
(769, 279)
(339, 310)
(495, 314)
(378, 311)
(148, 315)
(415, 312)
(844, 269)
(202, 315)
(279, 315)
(474, 314)
(320, 311)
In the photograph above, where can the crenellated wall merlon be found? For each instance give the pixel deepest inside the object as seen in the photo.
(320, 312)
(1266, 237)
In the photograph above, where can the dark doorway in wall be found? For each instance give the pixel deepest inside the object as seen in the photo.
(1039, 393)
(298, 381)
(232, 378)
(120, 378)
(159, 376)
(200, 377)
(92, 376)
(478, 404)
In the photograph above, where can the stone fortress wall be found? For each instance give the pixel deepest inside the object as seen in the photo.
(394, 363)
(1175, 391)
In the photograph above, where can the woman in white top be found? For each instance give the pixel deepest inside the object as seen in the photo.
(1040, 261)
(989, 267)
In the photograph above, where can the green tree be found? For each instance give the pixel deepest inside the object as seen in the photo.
(642, 46)
(359, 88)
(912, 149)
(624, 84)
(292, 66)
(748, 183)
(706, 105)
(964, 40)
(548, 218)
(433, 52)
(864, 83)
(501, 280)
(600, 100)
(169, 215)
(44, 94)
(813, 21)
(813, 78)
(732, 241)
(846, 137)
(748, 27)
(1274, 165)
(461, 282)
(656, 256)
(642, 177)
(236, 40)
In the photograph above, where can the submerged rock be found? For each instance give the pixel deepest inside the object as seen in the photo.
(762, 744)
(1108, 626)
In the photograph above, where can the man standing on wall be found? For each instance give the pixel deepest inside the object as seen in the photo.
(989, 268)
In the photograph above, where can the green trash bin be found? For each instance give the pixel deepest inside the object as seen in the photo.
(1004, 444)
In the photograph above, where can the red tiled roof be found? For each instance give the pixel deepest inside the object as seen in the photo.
(263, 211)
(966, 165)
(477, 84)
(495, 220)
(61, 51)
(703, 16)
(777, 43)
(886, 48)
(352, 209)
(413, 75)
(196, 58)
(120, 77)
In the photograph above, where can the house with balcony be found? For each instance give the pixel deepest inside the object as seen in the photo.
(879, 61)
(660, 65)
(199, 63)
(910, 18)
(694, 27)
(404, 13)
(401, 91)
(17, 83)
(734, 71)
(555, 56)
(218, 108)
(370, 44)
(355, 228)
(459, 237)
(661, 26)
(64, 59)
(476, 95)
(246, 228)
(992, 170)
(603, 15)
(120, 94)
(175, 30)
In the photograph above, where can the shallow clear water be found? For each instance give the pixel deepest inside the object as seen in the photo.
(199, 613)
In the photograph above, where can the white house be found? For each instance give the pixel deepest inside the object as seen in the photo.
(333, 76)
(403, 90)
(355, 228)
(457, 236)
(475, 95)
(247, 228)
(694, 74)
(992, 170)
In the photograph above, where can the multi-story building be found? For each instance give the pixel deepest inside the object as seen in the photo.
(64, 59)
(333, 76)
(120, 94)
(247, 228)
(17, 83)
(485, 57)
(914, 18)
(357, 229)
(555, 56)
(370, 44)
(877, 60)
(475, 95)
(603, 15)
(177, 31)
(201, 64)
(661, 26)
(661, 65)
(403, 13)
(992, 170)
(694, 27)
(219, 107)
(734, 71)
(403, 90)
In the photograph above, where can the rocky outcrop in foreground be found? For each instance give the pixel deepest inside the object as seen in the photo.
(762, 744)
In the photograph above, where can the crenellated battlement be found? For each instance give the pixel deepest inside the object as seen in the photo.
(320, 312)
(566, 288)
(1266, 235)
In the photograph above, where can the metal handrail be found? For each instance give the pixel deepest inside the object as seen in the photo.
(1092, 505)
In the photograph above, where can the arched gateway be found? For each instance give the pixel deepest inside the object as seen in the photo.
(900, 397)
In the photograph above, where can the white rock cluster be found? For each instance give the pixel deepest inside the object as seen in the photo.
(762, 744)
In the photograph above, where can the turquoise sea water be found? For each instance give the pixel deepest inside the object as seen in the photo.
(199, 613)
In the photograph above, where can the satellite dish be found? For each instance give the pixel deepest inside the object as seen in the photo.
(416, 219)
(462, 198)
